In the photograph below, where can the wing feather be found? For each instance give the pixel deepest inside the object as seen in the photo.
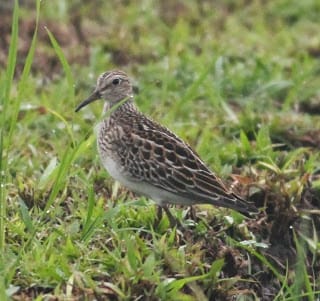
(159, 157)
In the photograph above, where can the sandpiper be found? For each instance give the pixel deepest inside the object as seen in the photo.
(148, 158)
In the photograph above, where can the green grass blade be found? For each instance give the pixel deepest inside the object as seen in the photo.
(60, 180)
(10, 121)
(265, 262)
(177, 284)
(6, 100)
(65, 122)
(301, 281)
(69, 76)
(23, 82)
(12, 57)
(25, 216)
(64, 63)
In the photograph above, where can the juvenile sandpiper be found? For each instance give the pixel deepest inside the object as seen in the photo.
(148, 158)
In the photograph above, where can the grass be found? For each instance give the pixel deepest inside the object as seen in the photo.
(239, 82)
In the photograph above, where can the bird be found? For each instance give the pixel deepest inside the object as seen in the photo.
(148, 158)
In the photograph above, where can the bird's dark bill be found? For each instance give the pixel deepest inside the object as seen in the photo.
(94, 96)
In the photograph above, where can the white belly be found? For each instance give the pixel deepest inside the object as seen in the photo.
(158, 195)
(114, 169)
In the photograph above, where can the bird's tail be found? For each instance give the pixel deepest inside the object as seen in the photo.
(235, 202)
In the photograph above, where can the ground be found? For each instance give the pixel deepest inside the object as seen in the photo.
(238, 80)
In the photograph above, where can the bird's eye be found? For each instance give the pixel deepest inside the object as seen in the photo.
(116, 81)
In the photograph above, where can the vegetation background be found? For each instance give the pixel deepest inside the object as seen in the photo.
(239, 80)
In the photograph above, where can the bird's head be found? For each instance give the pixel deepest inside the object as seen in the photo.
(112, 86)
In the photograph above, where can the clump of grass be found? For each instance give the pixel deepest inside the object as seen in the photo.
(68, 231)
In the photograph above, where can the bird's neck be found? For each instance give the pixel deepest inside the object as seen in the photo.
(119, 107)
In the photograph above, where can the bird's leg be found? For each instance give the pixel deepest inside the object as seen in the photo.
(173, 221)
(192, 213)
(159, 213)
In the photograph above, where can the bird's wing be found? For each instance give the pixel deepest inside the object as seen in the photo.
(153, 154)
